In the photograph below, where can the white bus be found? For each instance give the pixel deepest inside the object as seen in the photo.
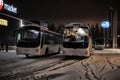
(77, 40)
(37, 40)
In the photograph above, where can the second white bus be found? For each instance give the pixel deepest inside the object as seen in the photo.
(77, 40)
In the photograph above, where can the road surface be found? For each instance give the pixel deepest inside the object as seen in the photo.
(59, 67)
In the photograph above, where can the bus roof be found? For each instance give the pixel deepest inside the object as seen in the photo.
(36, 25)
(41, 28)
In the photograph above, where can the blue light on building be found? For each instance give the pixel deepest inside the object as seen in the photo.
(105, 24)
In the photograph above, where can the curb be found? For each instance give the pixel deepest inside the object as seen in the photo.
(107, 51)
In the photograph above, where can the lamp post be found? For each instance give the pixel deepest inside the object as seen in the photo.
(105, 25)
(111, 20)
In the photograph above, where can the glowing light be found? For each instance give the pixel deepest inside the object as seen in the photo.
(10, 8)
(3, 22)
(1, 4)
(105, 24)
(21, 23)
(81, 31)
(7, 7)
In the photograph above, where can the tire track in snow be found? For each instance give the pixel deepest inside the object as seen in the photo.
(26, 71)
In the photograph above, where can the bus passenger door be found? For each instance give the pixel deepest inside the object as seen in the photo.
(42, 40)
(42, 43)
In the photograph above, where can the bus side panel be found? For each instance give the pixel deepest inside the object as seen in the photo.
(28, 51)
(43, 49)
(76, 52)
(79, 51)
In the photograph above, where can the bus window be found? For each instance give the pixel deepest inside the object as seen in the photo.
(78, 37)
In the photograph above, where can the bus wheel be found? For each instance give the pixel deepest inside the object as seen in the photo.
(27, 56)
(59, 50)
(46, 51)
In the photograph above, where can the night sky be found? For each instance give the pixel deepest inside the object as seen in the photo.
(65, 11)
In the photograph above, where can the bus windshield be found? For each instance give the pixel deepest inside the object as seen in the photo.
(76, 37)
(28, 37)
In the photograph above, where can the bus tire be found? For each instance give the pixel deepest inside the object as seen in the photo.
(59, 50)
(46, 52)
(27, 56)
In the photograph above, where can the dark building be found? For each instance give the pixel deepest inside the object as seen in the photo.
(8, 26)
(9, 21)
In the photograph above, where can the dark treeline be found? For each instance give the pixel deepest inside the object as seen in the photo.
(56, 28)
(97, 31)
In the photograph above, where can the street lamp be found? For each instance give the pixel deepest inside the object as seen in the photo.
(105, 25)
(111, 20)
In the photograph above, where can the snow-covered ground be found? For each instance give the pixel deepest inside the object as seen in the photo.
(59, 67)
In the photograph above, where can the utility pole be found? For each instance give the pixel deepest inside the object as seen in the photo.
(111, 20)
(115, 25)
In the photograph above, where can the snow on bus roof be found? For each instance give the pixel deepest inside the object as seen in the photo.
(75, 23)
(42, 27)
